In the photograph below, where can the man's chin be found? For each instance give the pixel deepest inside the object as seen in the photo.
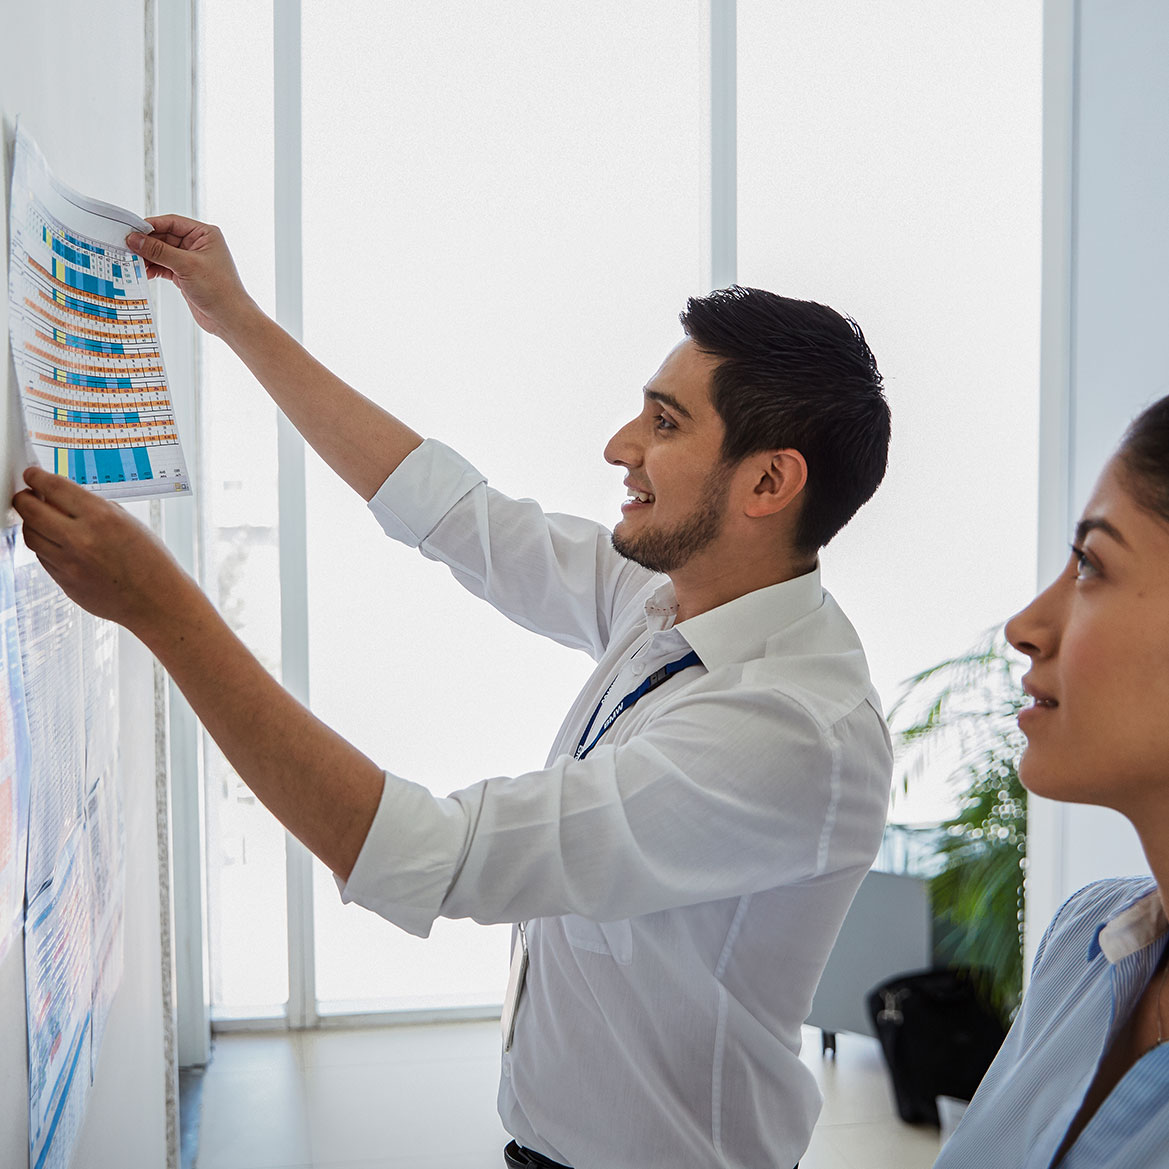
(623, 545)
(631, 550)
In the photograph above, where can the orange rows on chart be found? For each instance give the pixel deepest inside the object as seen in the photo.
(123, 343)
(90, 297)
(80, 440)
(121, 390)
(144, 424)
(82, 331)
(120, 364)
(140, 402)
(142, 317)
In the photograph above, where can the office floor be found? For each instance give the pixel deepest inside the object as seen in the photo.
(424, 1097)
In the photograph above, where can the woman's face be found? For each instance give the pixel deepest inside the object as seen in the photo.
(1098, 639)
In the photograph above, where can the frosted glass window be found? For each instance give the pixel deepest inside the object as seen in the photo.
(247, 915)
(505, 207)
(889, 165)
(503, 216)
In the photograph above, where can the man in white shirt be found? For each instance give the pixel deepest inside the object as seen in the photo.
(680, 868)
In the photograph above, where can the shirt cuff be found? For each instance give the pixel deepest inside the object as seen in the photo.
(428, 482)
(410, 856)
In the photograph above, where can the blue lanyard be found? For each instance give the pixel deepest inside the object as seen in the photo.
(633, 698)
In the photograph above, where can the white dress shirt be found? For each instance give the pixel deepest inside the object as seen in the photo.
(684, 882)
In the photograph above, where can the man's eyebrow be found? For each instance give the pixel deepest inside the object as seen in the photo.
(1093, 524)
(668, 400)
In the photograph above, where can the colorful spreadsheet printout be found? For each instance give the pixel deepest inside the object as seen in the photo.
(97, 404)
(14, 755)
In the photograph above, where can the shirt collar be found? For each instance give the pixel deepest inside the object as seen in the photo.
(1132, 929)
(738, 630)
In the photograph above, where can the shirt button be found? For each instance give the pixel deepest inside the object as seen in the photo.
(638, 669)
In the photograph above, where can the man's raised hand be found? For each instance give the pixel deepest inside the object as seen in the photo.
(101, 556)
(195, 257)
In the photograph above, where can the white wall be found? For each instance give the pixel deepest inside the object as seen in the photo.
(1106, 294)
(75, 71)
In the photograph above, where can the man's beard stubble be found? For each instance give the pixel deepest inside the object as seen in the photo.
(666, 550)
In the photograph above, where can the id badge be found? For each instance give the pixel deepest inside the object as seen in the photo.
(515, 987)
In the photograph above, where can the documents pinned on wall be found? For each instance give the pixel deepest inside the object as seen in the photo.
(14, 756)
(50, 650)
(58, 959)
(96, 401)
(75, 883)
(96, 408)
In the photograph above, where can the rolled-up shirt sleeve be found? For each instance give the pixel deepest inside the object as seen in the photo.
(428, 482)
(723, 793)
(554, 574)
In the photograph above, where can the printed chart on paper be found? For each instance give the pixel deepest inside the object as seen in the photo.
(97, 404)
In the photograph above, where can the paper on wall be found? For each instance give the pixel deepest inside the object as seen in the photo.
(14, 756)
(105, 836)
(97, 403)
(53, 671)
(58, 951)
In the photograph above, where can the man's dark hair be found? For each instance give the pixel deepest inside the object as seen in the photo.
(795, 374)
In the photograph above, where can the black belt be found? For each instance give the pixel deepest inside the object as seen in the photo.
(517, 1157)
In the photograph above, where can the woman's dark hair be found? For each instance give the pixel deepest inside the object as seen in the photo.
(795, 374)
(1144, 452)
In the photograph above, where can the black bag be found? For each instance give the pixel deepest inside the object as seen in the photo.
(938, 1036)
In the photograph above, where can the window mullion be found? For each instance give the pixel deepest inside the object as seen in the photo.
(723, 153)
(291, 477)
(174, 114)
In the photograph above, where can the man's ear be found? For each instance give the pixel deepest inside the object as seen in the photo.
(778, 479)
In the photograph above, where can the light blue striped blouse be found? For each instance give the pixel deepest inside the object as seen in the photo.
(1095, 959)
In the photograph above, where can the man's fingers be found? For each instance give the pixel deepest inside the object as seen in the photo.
(65, 495)
(39, 543)
(173, 225)
(154, 251)
(47, 521)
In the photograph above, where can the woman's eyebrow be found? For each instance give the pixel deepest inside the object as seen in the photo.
(1095, 524)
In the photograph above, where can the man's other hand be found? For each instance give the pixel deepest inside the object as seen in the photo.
(102, 557)
(195, 257)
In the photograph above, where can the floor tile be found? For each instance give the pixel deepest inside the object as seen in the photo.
(423, 1097)
(359, 1047)
(890, 1144)
(854, 1083)
(243, 1051)
(821, 1155)
(254, 1117)
(487, 1158)
(395, 1111)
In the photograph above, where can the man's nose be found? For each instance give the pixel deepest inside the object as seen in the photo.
(622, 450)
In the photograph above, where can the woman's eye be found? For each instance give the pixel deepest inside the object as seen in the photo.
(1084, 567)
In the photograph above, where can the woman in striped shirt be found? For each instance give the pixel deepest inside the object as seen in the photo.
(1082, 1081)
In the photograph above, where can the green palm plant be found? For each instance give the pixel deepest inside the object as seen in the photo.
(959, 717)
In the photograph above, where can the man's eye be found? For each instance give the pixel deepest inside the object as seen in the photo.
(661, 422)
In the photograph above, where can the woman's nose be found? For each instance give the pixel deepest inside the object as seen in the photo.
(1034, 631)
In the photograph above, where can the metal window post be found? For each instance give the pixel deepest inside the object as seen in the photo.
(1046, 819)
(302, 1010)
(174, 178)
(723, 141)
